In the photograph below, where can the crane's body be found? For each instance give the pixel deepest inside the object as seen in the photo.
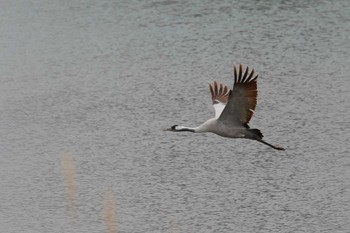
(217, 127)
(233, 109)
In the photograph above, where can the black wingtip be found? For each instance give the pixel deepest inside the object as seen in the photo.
(240, 73)
(245, 74)
(246, 77)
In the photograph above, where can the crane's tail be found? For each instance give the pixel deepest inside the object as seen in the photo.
(258, 136)
(257, 133)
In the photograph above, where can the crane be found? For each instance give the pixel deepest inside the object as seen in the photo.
(233, 109)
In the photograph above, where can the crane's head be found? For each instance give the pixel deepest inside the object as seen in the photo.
(178, 128)
(172, 128)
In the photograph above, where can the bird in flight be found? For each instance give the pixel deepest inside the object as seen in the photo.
(233, 109)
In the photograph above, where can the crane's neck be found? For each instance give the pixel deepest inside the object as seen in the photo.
(179, 128)
(205, 127)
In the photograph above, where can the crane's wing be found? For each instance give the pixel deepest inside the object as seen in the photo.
(242, 99)
(219, 96)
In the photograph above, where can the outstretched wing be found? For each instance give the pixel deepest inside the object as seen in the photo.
(219, 96)
(242, 99)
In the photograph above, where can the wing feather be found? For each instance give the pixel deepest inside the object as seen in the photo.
(242, 99)
(219, 96)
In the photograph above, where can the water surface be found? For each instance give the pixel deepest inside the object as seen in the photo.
(100, 80)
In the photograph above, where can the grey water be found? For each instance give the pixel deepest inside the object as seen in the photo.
(101, 79)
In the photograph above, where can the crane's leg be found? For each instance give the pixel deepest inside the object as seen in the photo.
(274, 147)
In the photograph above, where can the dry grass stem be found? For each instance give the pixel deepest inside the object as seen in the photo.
(69, 181)
(110, 213)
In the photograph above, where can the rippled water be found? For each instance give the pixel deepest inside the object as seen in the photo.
(99, 80)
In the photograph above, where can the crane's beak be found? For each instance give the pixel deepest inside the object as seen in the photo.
(172, 128)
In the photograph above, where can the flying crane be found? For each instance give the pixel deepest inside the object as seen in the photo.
(233, 109)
